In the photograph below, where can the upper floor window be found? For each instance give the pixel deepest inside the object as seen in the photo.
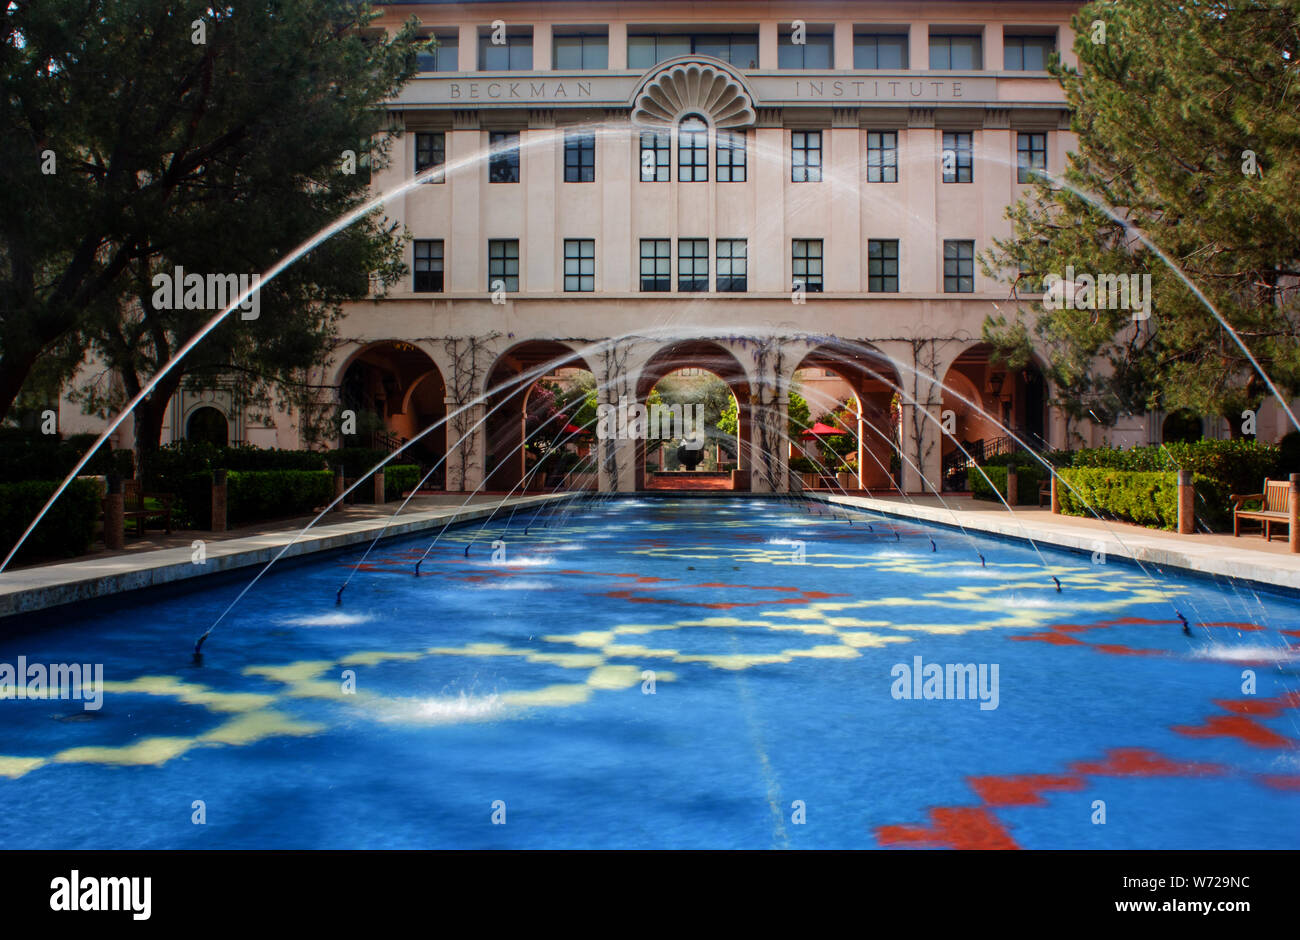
(882, 156)
(806, 264)
(442, 56)
(956, 52)
(579, 264)
(656, 156)
(806, 156)
(503, 264)
(731, 156)
(959, 267)
(577, 50)
(428, 265)
(733, 264)
(431, 153)
(645, 49)
(693, 264)
(957, 159)
(656, 264)
(503, 162)
(1031, 155)
(692, 151)
(1027, 53)
(882, 265)
(514, 54)
(579, 156)
(880, 50)
(816, 51)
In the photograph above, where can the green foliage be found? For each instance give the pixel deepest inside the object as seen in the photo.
(357, 461)
(800, 415)
(1240, 465)
(398, 479)
(65, 531)
(1146, 498)
(1027, 480)
(1289, 454)
(29, 455)
(1020, 458)
(256, 496)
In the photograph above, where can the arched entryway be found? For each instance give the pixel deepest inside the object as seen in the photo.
(394, 392)
(209, 425)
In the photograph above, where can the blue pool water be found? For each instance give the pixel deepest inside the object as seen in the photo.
(525, 680)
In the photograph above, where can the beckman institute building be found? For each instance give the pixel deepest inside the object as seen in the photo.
(755, 189)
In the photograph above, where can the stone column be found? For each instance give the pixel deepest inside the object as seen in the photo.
(1013, 486)
(379, 488)
(219, 510)
(114, 515)
(1186, 503)
(1293, 503)
(340, 484)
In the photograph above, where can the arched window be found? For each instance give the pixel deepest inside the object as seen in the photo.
(692, 150)
(208, 424)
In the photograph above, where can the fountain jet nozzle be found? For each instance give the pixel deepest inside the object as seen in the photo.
(1187, 630)
(1058, 583)
(338, 598)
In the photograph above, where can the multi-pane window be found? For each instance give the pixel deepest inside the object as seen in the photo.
(579, 264)
(882, 156)
(578, 51)
(882, 265)
(957, 154)
(441, 58)
(428, 266)
(880, 51)
(959, 267)
(515, 54)
(693, 264)
(579, 156)
(733, 264)
(815, 52)
(806, 264)
(503, 264)
(956, 52)
(731, 156)
(1031, 155)
(430, 153)
(806, 156)
(692, 151)
(656, 264)
(503, 162)
(1027, 53)
(645, 50)
(656, 156)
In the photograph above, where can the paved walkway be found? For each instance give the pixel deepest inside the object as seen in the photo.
(1249, 557)
(163, 559)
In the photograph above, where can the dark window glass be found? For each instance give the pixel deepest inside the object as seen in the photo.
(645, 50)
(1028, 53)
(1031, 155)
(503, 264)
(428, 266)
(956, 160)
(880, 51)
(816, 52)
(656, 159)
(513, 55)
(578, 51)
(882, 266)
(692, 151)
(956, 52)
(882, 156)
(430, 151)
(503, 163)
(806, 156)
(693, 264)
(579, 156)
(733, 265)
(731, 156)
(443, 58)
(959, 267)
(579, 264)
(656, 264)
(806, 264)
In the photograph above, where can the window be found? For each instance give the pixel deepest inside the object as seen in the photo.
(882, 266)
(441, 58)
(882, 156)
(579, 264)
(957, 153)
(656, 262)
(513, 55)
(1028, 53)
(880, 51)
(692, 151)
(956, 52)
(731, 156)
(579, 156)
(816, 52)
(656, 162)
(430, 151)
(1031, 155)
(958, 267)
(578, 51)
(647, 49)
(733, 265)
(806, 156)
(806, 264)
(693, 264)
(503, 264)
(503, 163)
(428, 266)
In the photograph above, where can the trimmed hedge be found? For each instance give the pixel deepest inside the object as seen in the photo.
(66, 530)
(1027, 479)
(1148, 498)
(1241, 465)
(171, 465)
(254, 496)
(29, 455)
(398, 479)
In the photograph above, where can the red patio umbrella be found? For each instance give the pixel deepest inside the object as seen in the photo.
(822, 430)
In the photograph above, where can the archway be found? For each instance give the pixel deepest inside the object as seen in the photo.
(208, 424)
(395, 391)
(1182, 426)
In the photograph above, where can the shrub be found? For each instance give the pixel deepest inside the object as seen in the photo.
(1027, 480)
(65, 531)
(1148, 498)
(398, 479)
(254, 496)
(29, 455)
(357, 461)
(1289, 453)
(1241, 465)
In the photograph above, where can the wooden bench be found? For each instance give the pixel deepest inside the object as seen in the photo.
(1275, 507)
(137, 510)
(1045, 492)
